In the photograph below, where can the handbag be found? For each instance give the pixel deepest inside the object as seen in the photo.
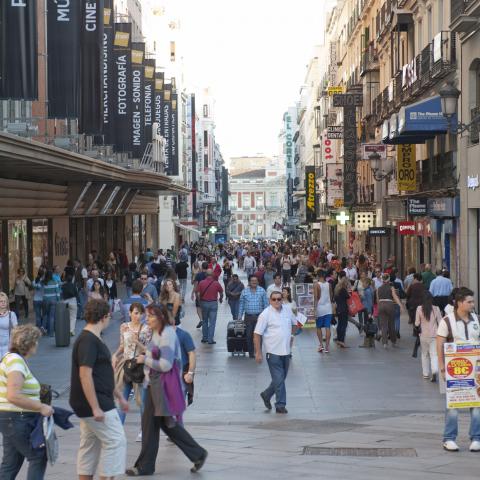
(354, 303)
(133, 372)
(173, 390)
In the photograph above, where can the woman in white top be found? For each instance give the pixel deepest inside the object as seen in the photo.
(428, 317)
(8, 320)
(287, 299)
(324, 312)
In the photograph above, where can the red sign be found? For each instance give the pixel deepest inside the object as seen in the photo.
(406, 228)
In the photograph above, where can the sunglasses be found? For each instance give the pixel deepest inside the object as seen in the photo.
(276, 299)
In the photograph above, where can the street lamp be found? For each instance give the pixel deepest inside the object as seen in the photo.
(449, 96)
(375, 163)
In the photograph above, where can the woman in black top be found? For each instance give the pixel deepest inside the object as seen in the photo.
(70, 297)
(387, 298)
(341, 297)
(227, 272)
(111, 289)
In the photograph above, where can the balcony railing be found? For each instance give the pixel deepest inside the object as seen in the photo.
(365, 194)
(458, 7)
(369, 60)
(443, 54)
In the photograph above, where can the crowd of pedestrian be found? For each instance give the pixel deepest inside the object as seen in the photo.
(154, 364)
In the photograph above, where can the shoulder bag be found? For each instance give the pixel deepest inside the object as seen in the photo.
(132, 371)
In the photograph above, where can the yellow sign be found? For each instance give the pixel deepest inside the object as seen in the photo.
(121, 39)
(334, 90)
(149, 71)
(137, 57)
(338, 202)
(406, 168)
(107, 15)
(159, 84)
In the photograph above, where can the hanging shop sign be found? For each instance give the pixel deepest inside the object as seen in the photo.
(369, 148)
(310, 194)
(334, 181)
(417, 206)
(334, 132)
(137, 128)
(406, 168)
(378, 231)
(444, 207)
(290, 196)
(406, 228)
(149, 97)
(173, 161)
(335, 90)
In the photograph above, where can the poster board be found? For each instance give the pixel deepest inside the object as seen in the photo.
(462, 375)
(303, 296)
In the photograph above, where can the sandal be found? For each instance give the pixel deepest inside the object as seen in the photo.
(320, 349)
(327, 350)
(134, 472)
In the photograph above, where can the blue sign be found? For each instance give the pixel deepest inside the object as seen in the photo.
(220, 238)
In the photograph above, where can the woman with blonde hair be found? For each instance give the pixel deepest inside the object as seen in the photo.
(20, 407)
(8, 320)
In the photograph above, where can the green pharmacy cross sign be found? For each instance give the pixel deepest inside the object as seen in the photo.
(342, 217)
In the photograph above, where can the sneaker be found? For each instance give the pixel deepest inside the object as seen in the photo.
(451, 446)
(475, 446)
(199, 463)
(199, 324)
(139, 437)
(434, 378)
(281, 410)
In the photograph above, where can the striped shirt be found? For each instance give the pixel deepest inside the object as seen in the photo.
(12, 362)
(51, 290)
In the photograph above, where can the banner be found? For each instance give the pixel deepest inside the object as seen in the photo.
(310, 194)
(406, 168)
(462, 374)
(173, 161)
(122, 92)
(149, 93)
(91, 67)
(166, 130)
(334, 180)
(18, 50)
(108, 137)
(289, 196)
(158, 101)
(193, 122)
(63, 61)
(138, 100)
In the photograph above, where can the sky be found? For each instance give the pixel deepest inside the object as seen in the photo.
(253, 55)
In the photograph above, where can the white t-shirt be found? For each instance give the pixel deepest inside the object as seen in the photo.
(351, 273)
(273, 288)
(461, 331)
(276, 329)
(324, 305)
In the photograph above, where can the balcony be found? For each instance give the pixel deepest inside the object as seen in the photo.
(365, 194)
(369, 61)
(444, 57)
(438, 173)
(425, 63)
(465, 15)
(397, 89)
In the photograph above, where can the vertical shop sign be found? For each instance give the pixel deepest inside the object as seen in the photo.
(149, 97)
(173, 162)
(166, 119)
(91, 67)
(290, 196)
(122, 79)
(310, 193)
(63, 50)
(18, 50)
(158, 101)
(406, 168)
(137, 129)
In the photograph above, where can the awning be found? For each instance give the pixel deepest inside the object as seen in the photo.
(390, 134)
(188, 229)
(401, 19)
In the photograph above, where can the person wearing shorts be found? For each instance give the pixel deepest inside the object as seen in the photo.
(323, 298)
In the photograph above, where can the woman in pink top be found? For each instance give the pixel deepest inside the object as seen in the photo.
(427, 317)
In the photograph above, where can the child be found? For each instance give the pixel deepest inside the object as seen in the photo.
(370, 328)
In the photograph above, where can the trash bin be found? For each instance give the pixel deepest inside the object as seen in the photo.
(62, 325)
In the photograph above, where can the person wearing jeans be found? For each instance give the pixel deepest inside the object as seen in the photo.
(38, 299)
(51, 295)
(275, 327)
(210, 292)
(341, 296)
(233, 291)
(461, 325)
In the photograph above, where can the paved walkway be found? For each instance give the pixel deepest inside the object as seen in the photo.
(366, 414)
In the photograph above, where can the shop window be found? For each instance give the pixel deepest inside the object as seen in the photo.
(474, 98)
(136, 236)
(17, 248)
(39, 243)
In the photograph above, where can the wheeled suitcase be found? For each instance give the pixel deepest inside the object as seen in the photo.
(62, 325)
(236, 337)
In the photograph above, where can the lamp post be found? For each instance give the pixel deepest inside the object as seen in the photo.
(449, 96)
(378, 173)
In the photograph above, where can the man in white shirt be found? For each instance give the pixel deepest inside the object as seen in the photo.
(377, 279)
(276, 286)
(249, 263)
(351, 272)
(462, 326)
(276, 326)
(95, 275)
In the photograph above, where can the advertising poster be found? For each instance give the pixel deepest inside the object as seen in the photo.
(462, 374)
(63, 23)
(137, 128)
(406, 168)
(334, 184)
(310, 193)
(149, 97)
(173, 161)
(122, 91)
(158, 100)
(166, 129)
(91, 67)
(18, 50)
(303, 296)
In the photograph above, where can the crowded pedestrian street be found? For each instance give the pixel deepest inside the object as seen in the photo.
(357, 413)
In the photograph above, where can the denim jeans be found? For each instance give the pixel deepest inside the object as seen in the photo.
(82, 301)
(127, 389)
(209, 316)
(39, 314)
(49, 315)
(183, 287)
(451, 424)
(16, 429)
(397, 318)
(278, 365)
(234, 307)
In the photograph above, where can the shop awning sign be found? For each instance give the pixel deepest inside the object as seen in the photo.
(378, 231)
(406, 228)
(406, 168)
(417, 206)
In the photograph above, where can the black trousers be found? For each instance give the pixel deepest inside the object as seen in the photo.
(250, 323)
(441, 302)
(151, 427)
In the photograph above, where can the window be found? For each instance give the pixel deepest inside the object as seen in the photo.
(429, 24)
(440, 15)
(205, 187)
(246, 200)
(233, 229)
(17, 248)
(273, 199)
(260, 230)
(205, 138)
(259, 200)
(205, 111)
(40, 243)
(205, 160)
(420, 35)
(172, 51)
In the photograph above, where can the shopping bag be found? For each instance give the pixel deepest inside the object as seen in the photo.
(354, 303)
(51, 440)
